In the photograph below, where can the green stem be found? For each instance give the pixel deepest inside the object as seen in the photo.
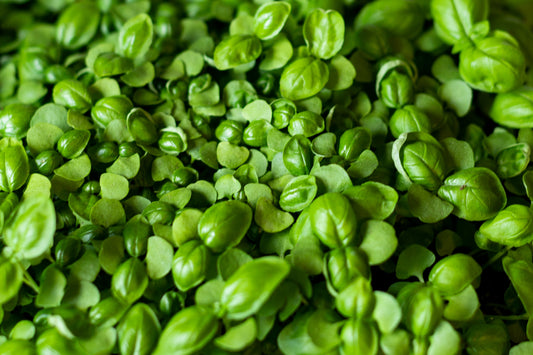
(496, 257)
(511, 317)
(28, 280)
(49, 258)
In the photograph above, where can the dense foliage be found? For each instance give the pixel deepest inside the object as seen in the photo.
(292, 177)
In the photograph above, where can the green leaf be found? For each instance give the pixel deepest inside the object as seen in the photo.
(269, 218)
(72, 94)
(277, 55)
(501, 70)
(203, 194)
(457, 95)
(30, 230)
(333, 220)
(77, 25)
(141, 126)
(87, 267)
(459, 152)
(129, 281)
(454, 273)
(52, 341)
(295, 339)
(140, 76)
(513, 109)
(107, 212)
(324, 33)
(476, 193)
(257, 110)
(185, 226)
(412, 261)
(107, 312)
(158, 259)
(303, 78)
(357, 300)
(138, 331)
(111, 253)
(396, 342)
(30, 92)
(75, 169)
(10, 279)
(230, 261)
(359, 337)
(489, 338)
(454, 20)
(251, 285)
(324, 145)
(238, 337)
(236, 50)
(512, 226)
(82, 294)
(270, 18)
(445, 340)
(341, 73)
(520, 272)
(513, 160)
(224, 224)
(255, 191)
(298, 193)
(231, 156)
(325, 329)
(404, 19)
(297, 155)
(72, 143)
(135, 36)
(419, 158)
(331, 178)
(187, 332)
(114, 186)
(444, 69)
(379, 241)
(42, 137)
(372, 200)
(522, 348)
(190, 265)
(23, 330)
(126, 166)
(193, 61)
(14, 165)
(208, 294)
(426, 206)
(387, 312)
(52, 287)
(462, 306)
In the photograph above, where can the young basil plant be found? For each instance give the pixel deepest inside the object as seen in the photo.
(286, 177)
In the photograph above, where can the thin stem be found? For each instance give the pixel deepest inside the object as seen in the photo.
(28, 280)
(49, 258)
(511, 317)
(496, 257)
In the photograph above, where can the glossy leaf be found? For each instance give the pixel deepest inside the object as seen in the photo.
(135, 37)
(138, 331)
(187, 332)
(270, 18)
(251, 285)
(303, 78)
(236, 50)
(476, 193)
(30, 231)
(324, 33)
(224, 224)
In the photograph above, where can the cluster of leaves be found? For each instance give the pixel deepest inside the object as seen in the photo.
(266, 177)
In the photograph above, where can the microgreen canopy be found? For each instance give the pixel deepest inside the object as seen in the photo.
(266, 177)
